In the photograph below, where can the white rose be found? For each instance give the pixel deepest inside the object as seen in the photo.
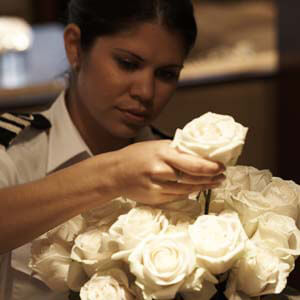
(107, 214)
(246, 178)
(112, 285)
(161, 263)
(250, 205)
(238, 178)
(94, 249)
(279, 233)
(259, 272)
(214, 136)
(181, 214)
(51, 262)
(67, 232)
(206, 293)
(138, 293)
(200, 285)
(286, 196)
(185, 207)
(178, 222)
(219, 241)
(131, 228)
(77, 276)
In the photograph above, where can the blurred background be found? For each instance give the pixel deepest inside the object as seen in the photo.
(246, 63)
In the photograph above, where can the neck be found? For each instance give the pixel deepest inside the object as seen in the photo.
(97, 138)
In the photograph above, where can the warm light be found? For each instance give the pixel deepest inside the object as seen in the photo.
(15, 34)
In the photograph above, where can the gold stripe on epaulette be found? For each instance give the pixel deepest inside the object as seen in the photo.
(28, 117)
(10, 127)
(18, 120)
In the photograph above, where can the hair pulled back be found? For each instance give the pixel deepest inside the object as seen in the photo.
(105, 17)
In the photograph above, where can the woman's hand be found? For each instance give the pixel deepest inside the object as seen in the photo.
(154, 173)
(148, 172)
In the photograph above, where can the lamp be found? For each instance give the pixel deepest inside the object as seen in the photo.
(15, 39)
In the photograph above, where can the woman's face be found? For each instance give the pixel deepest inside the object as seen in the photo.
(126, 79)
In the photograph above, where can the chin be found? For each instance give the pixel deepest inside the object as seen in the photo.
(127, 132)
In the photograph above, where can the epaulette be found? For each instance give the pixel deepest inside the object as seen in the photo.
(12, 124)
(160, 134)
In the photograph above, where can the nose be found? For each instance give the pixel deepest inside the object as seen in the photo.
(143, 87)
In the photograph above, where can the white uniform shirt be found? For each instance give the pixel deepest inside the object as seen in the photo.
(32, 155)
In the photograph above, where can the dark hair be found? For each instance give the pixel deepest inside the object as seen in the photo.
(104, 17)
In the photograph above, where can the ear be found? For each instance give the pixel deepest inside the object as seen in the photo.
(72, 36)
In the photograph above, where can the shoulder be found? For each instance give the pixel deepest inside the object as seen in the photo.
(12, 124)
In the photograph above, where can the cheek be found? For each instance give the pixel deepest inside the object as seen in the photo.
(164, 95)
(99, 86)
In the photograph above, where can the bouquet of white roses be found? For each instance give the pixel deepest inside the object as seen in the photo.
(126, 251)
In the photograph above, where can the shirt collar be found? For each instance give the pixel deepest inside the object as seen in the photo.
(66, 146)
(65, 142)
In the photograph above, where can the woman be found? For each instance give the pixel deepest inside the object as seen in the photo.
(126, 57)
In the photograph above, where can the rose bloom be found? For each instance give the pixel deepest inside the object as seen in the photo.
(161, 263)
(185, 207)
(285, 191)
(107, 214)
(93, 249)
(278, 196)
(238, 178)
(178, 222)
(51, 262)
(111, 284)
(219, 241)
(77, 276)
(247, 178)
(200, 285)
(278, 233)
(67, 232)
(259, 272)
(181, 214)
(214, 136)
(131, 228)
(206, 293)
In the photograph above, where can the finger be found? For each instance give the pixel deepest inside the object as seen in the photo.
(201, 180)
(193, 165)
(175, 188)
(178, 176)
(168, 198)
(181, 177)
(164, 198)
(209, 186)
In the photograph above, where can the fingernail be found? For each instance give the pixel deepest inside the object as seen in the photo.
(221, 168)
(219, 178)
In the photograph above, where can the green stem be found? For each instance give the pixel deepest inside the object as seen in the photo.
(207, 195)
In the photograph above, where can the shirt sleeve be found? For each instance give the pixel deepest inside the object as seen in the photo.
(8, 171)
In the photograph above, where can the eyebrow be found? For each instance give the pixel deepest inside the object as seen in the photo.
(143, 60)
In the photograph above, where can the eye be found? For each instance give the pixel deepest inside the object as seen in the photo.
(168, 75)
(127, 64)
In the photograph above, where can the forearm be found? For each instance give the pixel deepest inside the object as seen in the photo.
(143, 172)
(28, 210)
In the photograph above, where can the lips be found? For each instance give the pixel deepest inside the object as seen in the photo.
(134, 114)
(135, 111)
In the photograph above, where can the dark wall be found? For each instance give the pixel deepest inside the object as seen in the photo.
(289, 30)
(288, 88)
(49, 11)
(288, 97)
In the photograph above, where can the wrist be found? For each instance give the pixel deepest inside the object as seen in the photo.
(103, 170)
(88, 183)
